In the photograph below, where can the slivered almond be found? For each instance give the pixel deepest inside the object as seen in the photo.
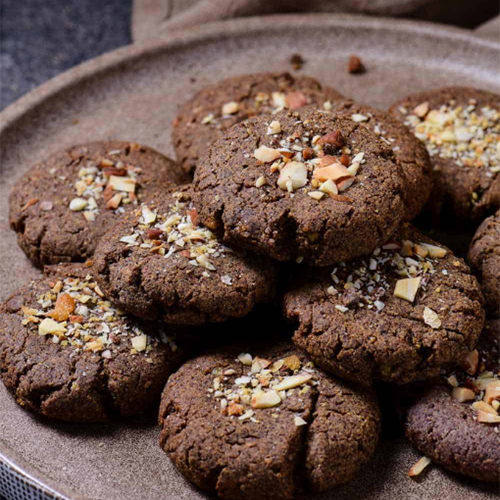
(344, 184)
(29, 204)
(114, 202)
(125, 184)
(484, 407)
(293, 381)
(434, 251)
(333, 172)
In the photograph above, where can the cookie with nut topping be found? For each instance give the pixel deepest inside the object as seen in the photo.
(301, 185)
(400, 314)
(63, 205)
(260, 421)
(214, 109)
(161, 263)
(456, 422)
(484, 258)
(66, 353)
(409, 152)
(460, 128)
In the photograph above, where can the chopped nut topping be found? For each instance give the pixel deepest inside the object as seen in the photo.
(419, 467)
(75, 314)
(431, 318)
(292, 176)
(274, 128)
(230, 108)
(407, 288)
(77, 204)
(266, 155)
(471, 362)
(462, 394)
(265, 385)
(299, 421)
(467, 134)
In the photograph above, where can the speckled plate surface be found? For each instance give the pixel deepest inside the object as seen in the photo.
(132, 94)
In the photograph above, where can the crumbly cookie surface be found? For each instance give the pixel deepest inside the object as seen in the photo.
(484, 257)
(161, 263)
(302, 185)
(262, 421)
(63, 205)
(400, 314)
(457, 423)
(213, 110)
(68, 354)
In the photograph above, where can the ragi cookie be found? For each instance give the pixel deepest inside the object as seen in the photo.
(302, 185)
(409, 151)
(400, 314)
(456, 422)
(63, 205)
(213, 110)
(461, 129)
(484, 257)
(161, 263)
(262, 422)
(68, 354)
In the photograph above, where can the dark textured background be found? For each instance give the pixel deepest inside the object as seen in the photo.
(41, 38)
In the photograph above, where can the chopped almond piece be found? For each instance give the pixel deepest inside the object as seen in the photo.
(484, 407)
(266, 155)
(419, 467)
(125, 184)
(295, 100)
(492, 392)
(434, 251)
(333, 172)
(293, 381)
(407, 288)
(421, 110)
(462, 394)
(344, 184)
(472, 362)
(65, 305)
(267, 399)
(293, 176)
(235, 408)
(431, 318)
(487, 418)
(114, 202)
(335, 138)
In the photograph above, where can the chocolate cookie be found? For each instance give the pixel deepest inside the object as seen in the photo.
(400, 314)
(484, 257)
(160, 263)
(67, 354)
(409, 152)
(62, 206)
(303, 185)
(456, 423)
(461, 129)
(261, 422)
(214, 109)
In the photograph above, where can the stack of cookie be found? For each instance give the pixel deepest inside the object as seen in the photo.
(302, 199)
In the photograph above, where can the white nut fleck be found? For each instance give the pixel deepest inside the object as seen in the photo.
(230, 108)
(139, 343)
(431, 318)
(274, 128)
(266, 155)
(266, 399)
(77, 204)
(292, 176)
(407, 288)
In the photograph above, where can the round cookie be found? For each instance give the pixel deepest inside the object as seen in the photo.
(304, 185)
(67, 354)
(456, 423)
(400, 314)
(261, 422)
(214, 109)
(160, 263)
(409, 152)
(484, 257)
(461, 129)
(63, 205)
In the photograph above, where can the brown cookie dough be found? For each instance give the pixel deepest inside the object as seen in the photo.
(409, 152)
(261, 422)
(456, 423)
(213, 110)
(63, 205)
(461, 129)
(67, 354)
(304, 185)
(484, 257)
(400, 314)
(159, 263)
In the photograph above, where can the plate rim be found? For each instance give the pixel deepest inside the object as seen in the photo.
(210, 31)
